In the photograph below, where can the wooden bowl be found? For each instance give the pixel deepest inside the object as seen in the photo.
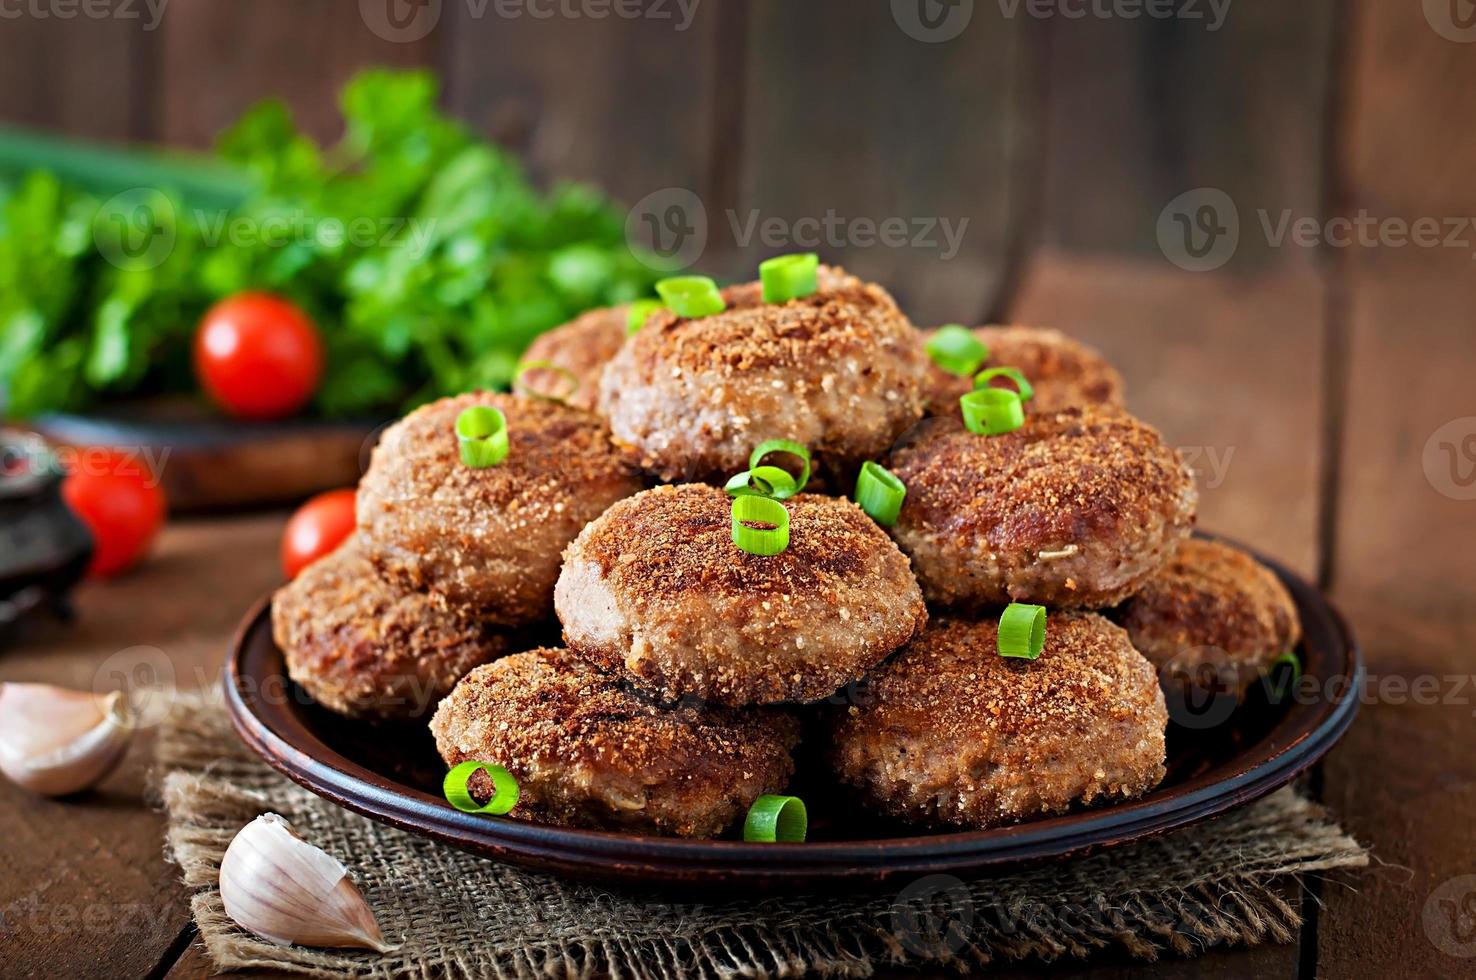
(1218, 759)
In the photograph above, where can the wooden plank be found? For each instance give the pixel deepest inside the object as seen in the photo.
(868, 123)
(86, 890)
(1405, 778)
(1226, 367)
(77, 75)
(219, 58)
(1142, 110)
(622, 102)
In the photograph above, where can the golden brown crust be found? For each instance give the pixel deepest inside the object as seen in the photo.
(587, 751)
(1064, 372)
(949, 732)
(656, 588)
(488, 539)
(1075, 509)
(1212, 603)
(367, 648)
(839, 371)
(583, 347)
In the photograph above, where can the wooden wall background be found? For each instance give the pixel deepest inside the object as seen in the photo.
(1324, 371)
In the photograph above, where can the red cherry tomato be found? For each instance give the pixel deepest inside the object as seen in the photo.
(258, 356)
(119, 500)
(318, 527)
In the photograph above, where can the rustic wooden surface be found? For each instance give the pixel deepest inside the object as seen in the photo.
(1309, 383)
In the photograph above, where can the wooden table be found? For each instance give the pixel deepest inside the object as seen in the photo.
(1308, 398)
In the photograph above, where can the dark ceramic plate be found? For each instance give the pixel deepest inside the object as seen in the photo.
(1218, 758)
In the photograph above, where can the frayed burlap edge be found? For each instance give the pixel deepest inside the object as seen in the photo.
(455, 915)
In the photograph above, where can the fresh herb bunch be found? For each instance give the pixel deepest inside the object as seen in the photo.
(423, 253)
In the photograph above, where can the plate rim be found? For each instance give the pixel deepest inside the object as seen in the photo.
(609, 855)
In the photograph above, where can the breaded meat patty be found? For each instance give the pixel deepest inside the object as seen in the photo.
(366, 647)
(656, 589)
(1212, 606)
(588, 752)
(1075, 509)
(951, 733)
(583, 347)
(488, 539)
(839, 371)
(1064, 372)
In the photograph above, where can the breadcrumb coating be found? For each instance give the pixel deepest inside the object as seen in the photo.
(1064, 372)
(488, 539)
(1075, 509)
(583, 347)
(951, 733)
(1212, 604)
(839, 371)
(587, 751)
(366, 647)
(656, 588)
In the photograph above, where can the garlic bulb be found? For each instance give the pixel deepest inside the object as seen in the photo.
(287, 891)
(54, 741)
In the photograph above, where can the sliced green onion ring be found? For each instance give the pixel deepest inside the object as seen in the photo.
(1279, 691)
(520, 385)
(756, 458)
(765, 541)
(762, 481)
(956, 350)
(458, 794)
(880, 493)
(640, 312)
(787, 277)
(482, 432)
(982, 379)
(772, 819)
(1022, 630)
(992, 411)
(691, 296)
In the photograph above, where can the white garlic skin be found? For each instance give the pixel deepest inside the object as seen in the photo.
(56, 741)
(288, 892)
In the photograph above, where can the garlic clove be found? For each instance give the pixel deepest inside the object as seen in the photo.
(285, 890)
(55, 741)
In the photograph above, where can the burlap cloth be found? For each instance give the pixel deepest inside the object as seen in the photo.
(456, 915)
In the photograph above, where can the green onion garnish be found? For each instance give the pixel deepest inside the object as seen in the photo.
(1280, 691)
(776, 819)
(879, 493)
(560, 370)
(1022, 631)
(504, 795)
(691, 296)
(756, 458)
(992, 411)
(763, 481)
(956, 350)
(982, 379)
(750, 509)
(640, 312)
(787, 277)
(482, 432)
